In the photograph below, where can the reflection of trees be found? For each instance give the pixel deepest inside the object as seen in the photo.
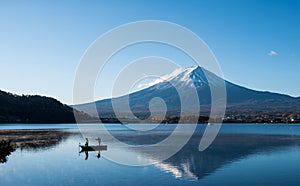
(34, 139)
(6, 147)
(29, 139)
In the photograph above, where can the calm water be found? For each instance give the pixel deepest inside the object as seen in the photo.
(240, 155)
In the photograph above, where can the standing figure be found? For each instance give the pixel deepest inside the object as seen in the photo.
(99, 140)
(86, 142)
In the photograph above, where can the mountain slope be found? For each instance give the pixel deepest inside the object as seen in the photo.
(34, 109)
(240, 100)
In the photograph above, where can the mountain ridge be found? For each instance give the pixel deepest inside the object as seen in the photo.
(240, 100)
(243, 104)
(35, 109)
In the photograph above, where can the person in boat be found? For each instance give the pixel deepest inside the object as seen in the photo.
(86, 142)
(99, 141)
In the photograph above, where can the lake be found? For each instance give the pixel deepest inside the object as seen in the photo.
(242, 154)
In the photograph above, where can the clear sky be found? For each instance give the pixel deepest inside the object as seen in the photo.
(257, 43)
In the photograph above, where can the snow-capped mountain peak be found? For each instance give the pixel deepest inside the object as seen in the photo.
(192, 76)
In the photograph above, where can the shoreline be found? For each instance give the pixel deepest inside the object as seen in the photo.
(34, 138)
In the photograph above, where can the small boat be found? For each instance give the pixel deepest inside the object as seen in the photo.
(93, 148)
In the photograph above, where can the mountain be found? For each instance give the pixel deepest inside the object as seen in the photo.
(34, 109)
(240, 100)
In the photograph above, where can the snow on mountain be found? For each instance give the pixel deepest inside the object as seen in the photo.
(239, 99)
(193, 76)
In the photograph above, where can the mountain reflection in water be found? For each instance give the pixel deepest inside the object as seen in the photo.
(187, 164)
(191, 164)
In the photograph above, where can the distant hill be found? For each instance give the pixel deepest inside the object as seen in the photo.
(240, 100)
(34, 109)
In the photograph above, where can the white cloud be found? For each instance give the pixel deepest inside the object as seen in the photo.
(272, 53)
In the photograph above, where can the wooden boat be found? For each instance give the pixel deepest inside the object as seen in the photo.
(93, 148)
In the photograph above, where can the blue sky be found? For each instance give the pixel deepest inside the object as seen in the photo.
(256, 43)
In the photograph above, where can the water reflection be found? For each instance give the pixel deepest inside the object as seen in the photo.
(6, 148)
(34, 139)
(189, 163)
(87, 154)
(98, 148)
(61, 146)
